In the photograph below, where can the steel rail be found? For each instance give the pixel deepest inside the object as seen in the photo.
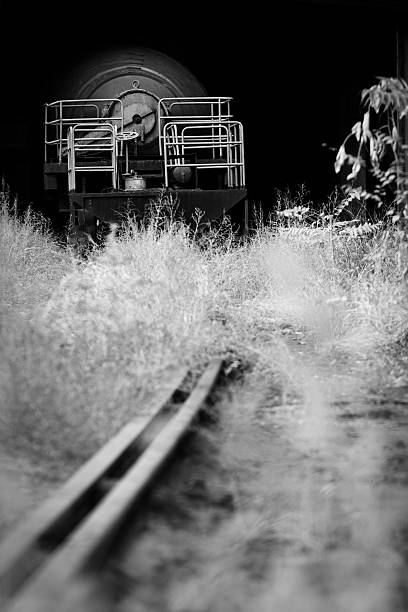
(24, 549)
(119, 475)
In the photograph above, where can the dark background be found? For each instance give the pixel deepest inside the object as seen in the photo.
(295, 70)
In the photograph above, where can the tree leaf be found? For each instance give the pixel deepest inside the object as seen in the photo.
(340, 159)
(354, 170)
(366, 126)
(356, 130)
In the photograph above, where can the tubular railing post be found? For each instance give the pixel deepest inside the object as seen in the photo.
(45, 131)
(60, 132)
(166, 175)
(242, 154)
(115, 156)
(235, 157)
(219, 128)
(71, 161)
(159, 119)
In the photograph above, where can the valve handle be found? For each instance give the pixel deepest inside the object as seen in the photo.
(127, 136)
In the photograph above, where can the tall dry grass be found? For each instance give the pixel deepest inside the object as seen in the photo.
(86, 344)
(32, 263)
(316, 510)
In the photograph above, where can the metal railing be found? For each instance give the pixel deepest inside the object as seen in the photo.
(62, 114)
(100, 138)
(210, 131)
(195, 132)
(208, 110)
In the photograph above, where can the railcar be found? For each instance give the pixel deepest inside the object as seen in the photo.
(135, 123)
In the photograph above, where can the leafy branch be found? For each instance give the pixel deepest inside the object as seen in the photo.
(381, 149)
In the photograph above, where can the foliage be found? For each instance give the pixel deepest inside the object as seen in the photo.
(31, 261)
(380, 147)
(85, 345)
(296, 214)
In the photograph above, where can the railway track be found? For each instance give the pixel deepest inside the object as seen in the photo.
(49, 563)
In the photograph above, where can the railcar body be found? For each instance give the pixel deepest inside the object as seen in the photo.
(135, 123)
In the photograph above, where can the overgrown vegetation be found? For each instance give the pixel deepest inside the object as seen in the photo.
(381, 149)
(314, 306)
(32, 263)
(85, 343)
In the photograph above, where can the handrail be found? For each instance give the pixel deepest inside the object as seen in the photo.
(81, 143)
(60, 123)
(84, 100)
(216, 111)
(179, 138)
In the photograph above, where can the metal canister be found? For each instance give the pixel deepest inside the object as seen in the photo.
(134, 182)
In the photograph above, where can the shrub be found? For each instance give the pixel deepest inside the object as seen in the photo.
(381, 149)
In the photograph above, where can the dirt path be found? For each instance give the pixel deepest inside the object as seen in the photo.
(295, 501)
(343, 473)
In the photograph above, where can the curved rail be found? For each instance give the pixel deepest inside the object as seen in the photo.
(44, 563)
